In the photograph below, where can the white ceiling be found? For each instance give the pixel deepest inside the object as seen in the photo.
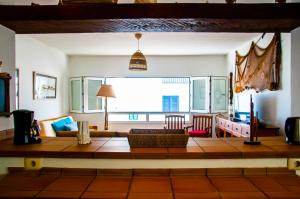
(150, 44)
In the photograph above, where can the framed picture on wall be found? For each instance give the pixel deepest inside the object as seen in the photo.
(4, 94)
(44, 86)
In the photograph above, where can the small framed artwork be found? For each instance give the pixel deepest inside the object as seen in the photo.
(44, 86)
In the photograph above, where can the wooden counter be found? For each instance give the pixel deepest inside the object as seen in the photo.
(118, 148)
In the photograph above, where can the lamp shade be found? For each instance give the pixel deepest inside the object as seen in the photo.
(106, 91)
(138, 61)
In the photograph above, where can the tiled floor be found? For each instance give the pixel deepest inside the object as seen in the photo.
(138, 185)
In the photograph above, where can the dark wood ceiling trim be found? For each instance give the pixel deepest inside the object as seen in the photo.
(152, 18)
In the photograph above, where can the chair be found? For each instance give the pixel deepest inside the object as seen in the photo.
(174, 122)
(202, 126)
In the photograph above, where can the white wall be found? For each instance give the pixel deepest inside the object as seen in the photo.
(273, 106)
(7, 56)
(32, 55)
(158, 66)
(295, 72)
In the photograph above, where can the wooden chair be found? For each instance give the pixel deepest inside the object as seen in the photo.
(202, 126)
(174, 122)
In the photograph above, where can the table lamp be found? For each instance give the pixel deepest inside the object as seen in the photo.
(106, 91)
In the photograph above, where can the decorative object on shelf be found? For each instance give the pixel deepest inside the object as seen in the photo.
(230, 1)
(259, 68)
(4, 94)
(44, 86)
(106, 91)
(253, 126)
(83, 135)
(230, 107)
(138, 60)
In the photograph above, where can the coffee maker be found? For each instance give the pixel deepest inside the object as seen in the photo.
(26, 129)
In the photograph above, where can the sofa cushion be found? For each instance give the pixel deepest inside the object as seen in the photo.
(198, 133)
(60, 124)
(46, 127)
(71, 126)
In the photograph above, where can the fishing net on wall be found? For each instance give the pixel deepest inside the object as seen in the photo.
(259, 68)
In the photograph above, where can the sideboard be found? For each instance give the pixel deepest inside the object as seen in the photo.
(226, 127)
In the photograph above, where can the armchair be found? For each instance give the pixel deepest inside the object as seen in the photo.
(202, 126)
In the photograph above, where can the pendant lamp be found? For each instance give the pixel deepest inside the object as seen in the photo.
(138, 60)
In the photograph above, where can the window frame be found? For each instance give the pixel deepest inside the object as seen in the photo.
(85, 95)
(207, 94)
(212, 94)
(81, 94)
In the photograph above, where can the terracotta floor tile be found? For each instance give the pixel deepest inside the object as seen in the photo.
(28, 183)
(242, 195)
(209, 195)
(188, 152)
(150, 196)
(113, 142)
(224, 172)
(255, 171)
(96, 194)
(265, 183)
(121, 149)
(213, 142)
(150, 185)
(289, 182)
(59, 194)
(110, 184)
(151, 172)
(190, 184)
(17, 194)
(92, 147)
(70, 184)
(188, 172)
(283, 195)
(232, 184)
(221, 149)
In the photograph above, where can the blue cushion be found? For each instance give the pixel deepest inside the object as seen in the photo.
(60, 124)
(71, 127)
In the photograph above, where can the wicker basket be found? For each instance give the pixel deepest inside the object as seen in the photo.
(139, 138)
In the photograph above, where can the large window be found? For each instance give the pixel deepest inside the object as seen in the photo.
(149, 95)
(149, 99)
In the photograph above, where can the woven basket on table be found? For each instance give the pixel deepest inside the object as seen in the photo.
(157, 138)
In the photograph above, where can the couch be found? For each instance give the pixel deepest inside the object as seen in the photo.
(48, 131)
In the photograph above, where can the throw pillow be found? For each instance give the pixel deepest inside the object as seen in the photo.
(71, 127)
(60, 124)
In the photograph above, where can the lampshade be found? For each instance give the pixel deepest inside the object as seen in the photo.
(106, 91)
(138, 59)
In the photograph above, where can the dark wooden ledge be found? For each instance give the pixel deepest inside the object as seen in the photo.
(152, 18)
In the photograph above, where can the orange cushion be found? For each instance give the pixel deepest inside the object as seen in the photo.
(198, 133)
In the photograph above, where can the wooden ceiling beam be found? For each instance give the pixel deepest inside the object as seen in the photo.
(151, 18)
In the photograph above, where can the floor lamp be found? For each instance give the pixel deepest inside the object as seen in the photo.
(106, 91)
